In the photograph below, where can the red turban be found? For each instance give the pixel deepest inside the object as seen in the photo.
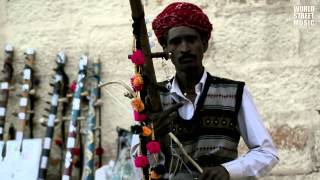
(181, 14)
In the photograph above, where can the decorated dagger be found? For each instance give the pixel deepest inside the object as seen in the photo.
(75, 112)
(88, 173)
(151, 91)
(7, 73)
(143, 67)
(56, 94)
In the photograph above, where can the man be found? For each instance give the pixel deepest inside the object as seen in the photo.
(208, 114)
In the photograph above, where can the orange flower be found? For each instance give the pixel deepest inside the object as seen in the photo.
(137, 104)
(137, 82)
(146, 131)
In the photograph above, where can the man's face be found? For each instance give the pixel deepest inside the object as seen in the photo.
(187, 48)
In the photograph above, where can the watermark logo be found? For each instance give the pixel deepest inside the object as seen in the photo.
(304, 15)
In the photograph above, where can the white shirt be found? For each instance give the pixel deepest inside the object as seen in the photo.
(188, 108)
(262, 155)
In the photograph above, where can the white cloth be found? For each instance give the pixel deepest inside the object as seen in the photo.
(262, 155)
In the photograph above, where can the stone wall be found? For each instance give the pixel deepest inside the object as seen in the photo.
(253, 41)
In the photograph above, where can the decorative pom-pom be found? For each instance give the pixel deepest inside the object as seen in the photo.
(141, 161)
(137, 104)
(137, 82)
(73, 86)
(58, 142)
(136, 129)
(137, 57)
(139, 116)
(153, 147)
(99, 151)
(75, 151)
(146, 131)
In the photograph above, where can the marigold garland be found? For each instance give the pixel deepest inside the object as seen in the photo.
(145, 128)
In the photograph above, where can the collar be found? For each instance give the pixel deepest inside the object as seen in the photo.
(198, 88)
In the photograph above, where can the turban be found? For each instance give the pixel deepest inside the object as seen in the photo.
(181, 14)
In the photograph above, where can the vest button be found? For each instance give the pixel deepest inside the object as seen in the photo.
(231, 124)
(224, 122)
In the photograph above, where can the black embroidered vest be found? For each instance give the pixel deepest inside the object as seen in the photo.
(211, 137)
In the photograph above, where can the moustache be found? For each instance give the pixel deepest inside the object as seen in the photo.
(184, 56)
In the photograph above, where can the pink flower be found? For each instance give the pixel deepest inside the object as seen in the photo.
(137, 58)
(153, 147)
(139, 116)
(141, 161)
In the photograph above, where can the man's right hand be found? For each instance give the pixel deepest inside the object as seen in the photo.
(162, 121)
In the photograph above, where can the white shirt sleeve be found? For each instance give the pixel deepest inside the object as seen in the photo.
(262, 155)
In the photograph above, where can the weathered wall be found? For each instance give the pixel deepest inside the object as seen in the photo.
(253, 40)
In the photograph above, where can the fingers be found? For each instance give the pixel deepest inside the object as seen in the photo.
(163, 120)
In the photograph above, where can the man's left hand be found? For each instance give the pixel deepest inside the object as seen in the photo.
(215, 173)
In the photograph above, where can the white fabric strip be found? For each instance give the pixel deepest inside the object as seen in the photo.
(2, 111)
(4, 85)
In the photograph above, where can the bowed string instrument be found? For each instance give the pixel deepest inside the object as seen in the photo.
(7, 73)
(27, 96)
(75, 113)
(151, 88)
(59, 85)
